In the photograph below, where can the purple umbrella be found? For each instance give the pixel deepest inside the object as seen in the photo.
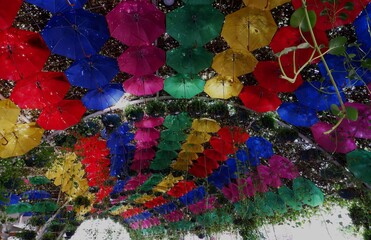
(334, 142)
(283, 167)
(361, 128)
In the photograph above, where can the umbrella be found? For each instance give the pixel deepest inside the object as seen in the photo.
(166, 208)
(223, 147)
(144, 154)
(193, 196)
(202, 171)
(187, 156)
(223, 87)
(297, 114)
(214, 154)
(44, 207)
(103, 97)
(62, 115)
(136, 23)
(152, 181)
(19, 208)
(283, 167)
(249, 29)
(189, 60)
(147, 134)
(358, 162)
(205, 22)
(316, 96)
(361, 128)
(39, 180)
(158, 201)
(184, 85)
(198, 2)
(9, 199)
(259, 99)
(234, 135)
(40, 90)
(196, 137)
(361, 25)
(35, 194)
(289, 197)
(149, 122)
(20, 140)
(203, 205)
(76, 34)
(195, 148)
(169, 145)
(141, 60)
(168, 182)
(220, 177)
(56, 6)
(206, 125)
(8, 11)
(174, 216)
(136, 181)
(272, 80)
(92, 72)
(258, 148)
(177, 122)
(142, 145)
(22, 53)
(9, 113)
(182, 165)
(307, 192)
(265, 4)
(234, 62)
(172, 135)
(143, 85)
(181, 188)
(334, 142)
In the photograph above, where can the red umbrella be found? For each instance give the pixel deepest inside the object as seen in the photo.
(181, 188)
(234, 135)
(144, 154)
(136, 23)
(207, 162)
(149, 122)
(22, 53)
(334, 142)
(8, 11)
(40, 90)
(221, 146)
(158, 201)
(143, 85)
(201, 171)
(215, 155)
(62, 115)
(272, 79)
(147, 134)
(92, 147)
(140, 165)
(259, 99)
(132, 212)
(141, 60)
(136, 181)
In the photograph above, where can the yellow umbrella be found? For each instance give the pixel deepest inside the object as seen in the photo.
(144, 198)
(206, 125)
(223, 87)
(265, 4)
(168, 182)
(181, 165)
(20, 140)
(121, 209)
(187, 156)
(234, 62)
(9, 113)
(190, 147)
(249, 29)
(196, 137)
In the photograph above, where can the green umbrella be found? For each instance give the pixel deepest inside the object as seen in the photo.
(261, 206)
(194, 26)
(184, 86)
(44, 207)
(307, 192)
(289, 197)
(182, 225)
(198, 2)
(189, 60)
(169, 145)
(244, 209)
(19, 208)
(178, 122)
(172, 135)
(160, 164)
(39, 180)
(275, 202)
(163, 154)
(133, 197)
(359, 163)
(151, 182)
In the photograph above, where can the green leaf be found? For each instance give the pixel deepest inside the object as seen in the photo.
(298, 19)
(366, 63)
(337, 45)
(349, 6)
(324, 12)
(335, 110)
(343, 16)
(351, 113)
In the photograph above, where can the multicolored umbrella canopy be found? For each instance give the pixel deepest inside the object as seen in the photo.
(136, 23)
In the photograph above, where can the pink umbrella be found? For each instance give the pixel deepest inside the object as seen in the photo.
(174, 216)
(231, 193)
(143, 85)
(144, 154)
(143, 145)
(136, 23)
(268, 177)
(361, 128)
(203, 205)
(334, 142)
(283, 167)
(149, 122)
(147, 134)
(134, 225)
(141, 60)
(139, 165)
(136, 181)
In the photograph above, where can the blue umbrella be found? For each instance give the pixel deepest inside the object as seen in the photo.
(76, 34)
(362, 25)
(297, 114)
(317, 95)
(103, 97)
(337, 64)
(165, 208)
(111, 120)
(258, 147)
(119, 186)
(117, 165)
(92, 72)
(363, 74)
(10, 200)
(232, 167)
(36, 194)
(139, 217)
(220, 177)
(55, 6)
(193, 196)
